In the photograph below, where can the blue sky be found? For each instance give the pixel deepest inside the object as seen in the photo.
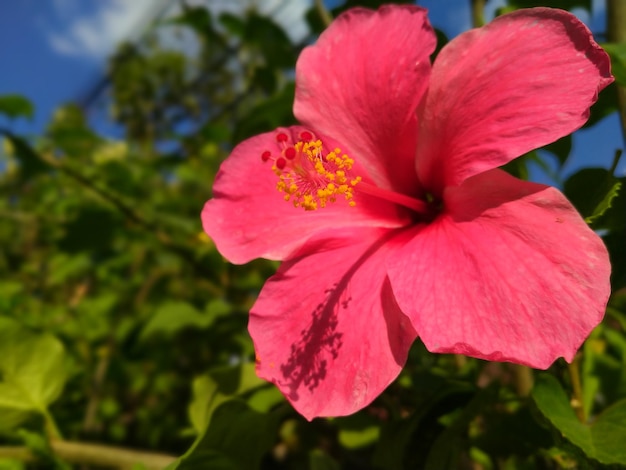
(55, 51)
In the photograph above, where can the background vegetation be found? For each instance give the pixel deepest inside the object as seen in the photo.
(121, 325)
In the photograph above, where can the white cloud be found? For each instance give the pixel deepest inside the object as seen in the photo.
(289, 14)
(96, 34)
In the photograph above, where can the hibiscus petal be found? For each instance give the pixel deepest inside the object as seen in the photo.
(362, 82)
(521, 82)
(248, 217)
(327, 329)
(510, 272)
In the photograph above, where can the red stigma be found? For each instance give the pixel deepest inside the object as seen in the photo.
(280, 163)
(265, 156)
(290, 153)
(306, 136)
(281, 137)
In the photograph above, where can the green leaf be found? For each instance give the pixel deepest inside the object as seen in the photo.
(592, 191)
(30, 163)
(319, 460)
(224, 383)
(605, 203)
(39, 445)
(357, 430)
(263, 33)
(269, 114)
(70, 132)
(561, 148)
(173, 317)
(617, 53)
(614, 242)
(615, 219)
(32, 372)
(236, 439)
(92, 229)
(64, 267)
(603, 440)
(10, 464)
(15, 106)
(203, 459)
(198, 19)
(235, 25)
(446, 450)
(511, 431)
(355, 438)
(606, 105)
(406, 443)
(206, 397)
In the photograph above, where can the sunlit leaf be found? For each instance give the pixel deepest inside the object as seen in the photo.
(358, 430)
(617, 52)
(33, 371)
(602, 440)
(225, 383)
(605, 203)
(172, 317)
(12, 464)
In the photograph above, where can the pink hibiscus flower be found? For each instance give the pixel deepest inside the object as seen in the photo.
(391, 216)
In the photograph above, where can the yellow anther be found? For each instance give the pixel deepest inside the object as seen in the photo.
(312, 179)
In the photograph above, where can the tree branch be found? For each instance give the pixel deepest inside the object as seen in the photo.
(577, 401)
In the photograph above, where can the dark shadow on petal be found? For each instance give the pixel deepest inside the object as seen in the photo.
(400, 330)
(307, 365)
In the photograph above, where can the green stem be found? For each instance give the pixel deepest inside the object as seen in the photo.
(616, 159)
(96, 455)
(460, 362)
(52, 430)
(524, 379)
(577, 401)
(325, 15)
(616, 33)
(478, 13)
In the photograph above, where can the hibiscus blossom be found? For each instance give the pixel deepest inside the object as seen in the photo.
(389, 212)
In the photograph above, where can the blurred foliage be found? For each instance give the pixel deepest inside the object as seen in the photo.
(121, 324)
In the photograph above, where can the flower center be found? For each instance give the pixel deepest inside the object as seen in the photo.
(310, 176)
